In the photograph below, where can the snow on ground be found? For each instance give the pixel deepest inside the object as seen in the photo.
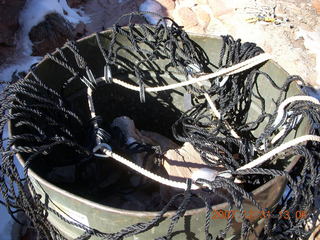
(33, 13)
(21, 65)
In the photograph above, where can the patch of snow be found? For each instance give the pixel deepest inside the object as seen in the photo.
(35, 11)
(311, 42)
(151, 6)
(21, 65)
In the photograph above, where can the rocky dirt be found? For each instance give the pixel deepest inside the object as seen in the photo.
(287, 29)
(9, 25)
(296, 22)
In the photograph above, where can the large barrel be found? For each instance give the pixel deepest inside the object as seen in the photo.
(112, 101)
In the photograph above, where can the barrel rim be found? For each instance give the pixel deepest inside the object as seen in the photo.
(106, 208)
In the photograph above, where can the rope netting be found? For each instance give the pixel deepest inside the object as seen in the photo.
(219, 124)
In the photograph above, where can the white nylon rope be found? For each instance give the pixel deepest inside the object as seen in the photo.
(217, 113)
(279, 149)
(144, 172)
(240, 67)
(182, 185)
(92, 109)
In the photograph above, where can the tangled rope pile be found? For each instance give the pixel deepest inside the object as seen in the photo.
(217, 125)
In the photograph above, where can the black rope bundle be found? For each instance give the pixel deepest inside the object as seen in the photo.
(44, 122)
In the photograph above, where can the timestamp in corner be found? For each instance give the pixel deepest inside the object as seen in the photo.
(257, 214)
